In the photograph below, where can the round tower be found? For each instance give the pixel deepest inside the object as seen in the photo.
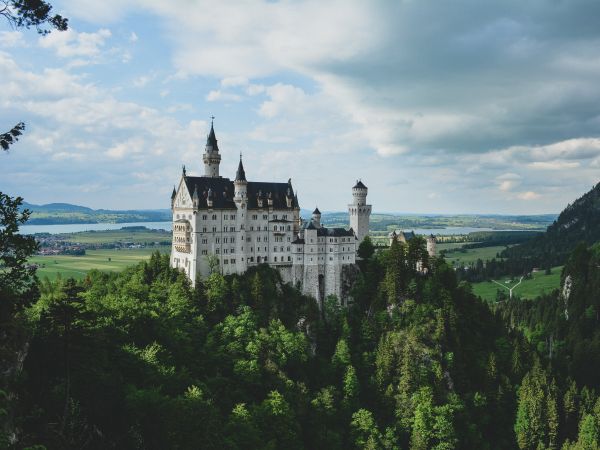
(431, 241)
(316, 218)
(211, 156)
(240, 184)
(359, 211)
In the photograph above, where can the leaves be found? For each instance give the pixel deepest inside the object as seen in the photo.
(9, 138)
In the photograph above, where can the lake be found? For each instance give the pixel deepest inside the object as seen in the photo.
(75, 227)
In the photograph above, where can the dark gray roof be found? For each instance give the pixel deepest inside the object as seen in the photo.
(334, 232)
(223, 190)
(359, 185)
(298, 241)
(240, 175)
(316, 211)
(174, 193)
(211, 140)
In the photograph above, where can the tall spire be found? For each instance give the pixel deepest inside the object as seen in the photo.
(211, 157)
(211, 140)
(240, 175)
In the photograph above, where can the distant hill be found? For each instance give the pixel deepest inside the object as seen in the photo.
(66, 213)
(57, 207)
(578, 223)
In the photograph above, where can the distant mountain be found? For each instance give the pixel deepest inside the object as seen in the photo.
(66, 213)
(57, 207)
(578, 223)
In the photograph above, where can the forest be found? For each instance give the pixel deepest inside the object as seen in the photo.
(142, 359)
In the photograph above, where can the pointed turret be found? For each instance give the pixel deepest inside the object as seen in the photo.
(316, 218)
(211, 156)
(173, 195)
(240, 184)
(195, 197)
(211, 140)
(240, 175)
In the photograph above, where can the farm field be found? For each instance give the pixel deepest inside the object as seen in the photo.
(122, 235)
(112, 260)
(528, 289)
(468, 256)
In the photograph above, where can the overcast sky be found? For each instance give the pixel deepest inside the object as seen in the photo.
(439, 107)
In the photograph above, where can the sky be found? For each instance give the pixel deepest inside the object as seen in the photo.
(450, 107)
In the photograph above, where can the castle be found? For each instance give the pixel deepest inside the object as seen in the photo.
(233, 225)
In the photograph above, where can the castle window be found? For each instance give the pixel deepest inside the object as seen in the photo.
(204, 217)
(225, 240)
(274, 216)
(330, 258)
(233, 260)
(225, 217)
(204, 229)
(204, 252)
(217, 251)
(258, 239)
(218, 240)
(233, 239)
(225, 261)
(289, 258)
(274, 249)
(265, 217)
(214, 229)
(233, 217)
(232, 250)
(276, 259)
(205, 241)
(285, 217)
(214, 217)
(231, 228)
(251, 228)
(254, 217)
(224, 251)
(330, 249)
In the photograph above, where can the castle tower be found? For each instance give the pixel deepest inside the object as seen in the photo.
(316, 218)
(359, 211)
(211, 156)
(240, 184)
(240, 197)
(431, 241)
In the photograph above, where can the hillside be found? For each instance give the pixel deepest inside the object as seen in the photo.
(579, 222)
(66, 213)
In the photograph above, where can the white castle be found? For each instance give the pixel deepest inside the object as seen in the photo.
(234, 225)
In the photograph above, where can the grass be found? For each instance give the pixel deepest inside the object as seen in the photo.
(77, 266)
(459, 258)
(134, 236)
(528, 289)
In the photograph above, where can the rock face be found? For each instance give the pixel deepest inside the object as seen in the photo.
(566, 293)
(349, 276)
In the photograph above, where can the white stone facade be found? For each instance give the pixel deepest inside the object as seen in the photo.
(237, 224)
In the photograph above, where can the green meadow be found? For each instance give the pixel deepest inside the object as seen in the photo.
(112, 260)
(465, 257)
(539, 284)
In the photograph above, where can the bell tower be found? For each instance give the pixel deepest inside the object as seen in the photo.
(359, 211)
(211, 157)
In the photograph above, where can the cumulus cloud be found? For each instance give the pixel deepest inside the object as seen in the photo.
(71, 43)
(218, 95)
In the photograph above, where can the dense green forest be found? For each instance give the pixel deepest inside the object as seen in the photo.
(142, 359)
(577, 223)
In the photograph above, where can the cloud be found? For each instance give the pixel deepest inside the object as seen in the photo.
(529, 195)
(72, 44)
(133, 37)
(234, 81)
(218, 95)
(9, 39)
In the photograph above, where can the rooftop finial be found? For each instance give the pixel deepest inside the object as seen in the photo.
(240, 156)
(212, 119)
(183, 170)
